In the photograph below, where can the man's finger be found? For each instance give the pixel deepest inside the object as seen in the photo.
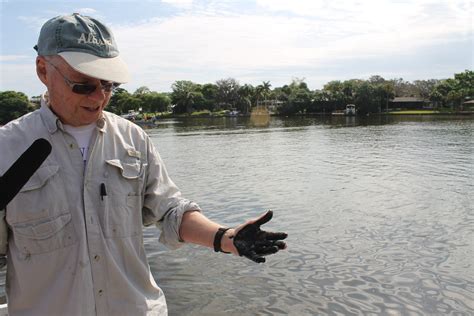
(280, 244)
(255, 257)
(258, 259)
(264, 243)
(263, 247)
(264, 218)
(275, 236)
(265, 251)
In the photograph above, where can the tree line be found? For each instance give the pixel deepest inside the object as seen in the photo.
(370, 96)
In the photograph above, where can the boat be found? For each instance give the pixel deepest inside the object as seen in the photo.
(234, 113)
(350, 110)
(131, 115)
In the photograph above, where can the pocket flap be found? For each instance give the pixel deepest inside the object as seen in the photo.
(128, 170)
(42, 229)
(40, 177)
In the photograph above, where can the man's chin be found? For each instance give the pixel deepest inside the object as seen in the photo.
(89, 117)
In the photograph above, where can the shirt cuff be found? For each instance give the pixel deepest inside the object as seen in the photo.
(171, 223)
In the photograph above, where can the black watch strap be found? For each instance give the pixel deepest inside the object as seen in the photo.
(218, 239)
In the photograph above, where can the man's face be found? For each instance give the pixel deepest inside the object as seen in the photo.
(71, 108)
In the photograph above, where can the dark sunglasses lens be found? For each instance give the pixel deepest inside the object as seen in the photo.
(83, 88)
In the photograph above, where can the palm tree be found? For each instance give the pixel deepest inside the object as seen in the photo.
(183, 96)
(263, 90)
(245, 92)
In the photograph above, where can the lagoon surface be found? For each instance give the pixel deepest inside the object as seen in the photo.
(379, 213)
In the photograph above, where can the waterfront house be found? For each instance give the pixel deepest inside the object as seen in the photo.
(409, 103)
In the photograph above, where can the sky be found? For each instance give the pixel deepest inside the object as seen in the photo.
(252, 41)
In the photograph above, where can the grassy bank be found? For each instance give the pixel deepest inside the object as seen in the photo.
(414, 112)
(430, 112)
(162, 115)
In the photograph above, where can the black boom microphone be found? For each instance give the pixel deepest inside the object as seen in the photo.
(22, 170)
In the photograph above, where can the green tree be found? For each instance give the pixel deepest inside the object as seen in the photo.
(386, 93)
(227, 93)
(338, 94)
(425, 87)
(122, 102)
(141, 91)
(266, 85)
(299, 97)
(366, 99)
(183, 96)
(130, 103)
(12, 105)
(376, 80)
(257, 94)
(209, 92)
(155, 102)
(117, 101)
(402, 88)
(246, 92)
(199, 102)
(321, 102)
(452, 92)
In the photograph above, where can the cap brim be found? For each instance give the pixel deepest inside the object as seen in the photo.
(109, 69)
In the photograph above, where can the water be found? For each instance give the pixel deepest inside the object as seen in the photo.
(379, 213)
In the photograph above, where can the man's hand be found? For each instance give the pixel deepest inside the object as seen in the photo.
(254, 243)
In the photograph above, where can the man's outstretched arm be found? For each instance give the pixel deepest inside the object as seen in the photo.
(245, 240)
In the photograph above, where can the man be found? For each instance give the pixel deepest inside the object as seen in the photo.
(75, 244)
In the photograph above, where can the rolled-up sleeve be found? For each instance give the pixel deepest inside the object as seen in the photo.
(163, 204)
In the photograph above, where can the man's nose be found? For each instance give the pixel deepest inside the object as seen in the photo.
(98, 94)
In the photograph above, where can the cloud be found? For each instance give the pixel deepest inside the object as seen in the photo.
(13, 58)
(33, 22)
(314, 35)
(276, 40)
(86, 11)
(179, 3)
(380, 10)
(37, 21)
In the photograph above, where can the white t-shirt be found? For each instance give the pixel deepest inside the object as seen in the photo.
(83, 135)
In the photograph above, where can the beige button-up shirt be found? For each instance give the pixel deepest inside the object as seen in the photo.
(74, 249)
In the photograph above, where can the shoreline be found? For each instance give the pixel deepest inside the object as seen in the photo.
(415, 113)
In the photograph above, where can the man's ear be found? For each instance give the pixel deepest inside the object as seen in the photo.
(41, 70)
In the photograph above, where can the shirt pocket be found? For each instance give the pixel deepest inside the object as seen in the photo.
(44, 235)
(39, 216)
(42, 196)
(122, 215)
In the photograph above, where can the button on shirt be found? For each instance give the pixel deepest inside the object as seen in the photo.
(74, 249)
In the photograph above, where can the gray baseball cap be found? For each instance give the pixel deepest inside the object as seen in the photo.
(86, 45)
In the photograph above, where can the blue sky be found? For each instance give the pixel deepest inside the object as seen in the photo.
(255, 40)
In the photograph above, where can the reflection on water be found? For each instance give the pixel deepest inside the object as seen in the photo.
(379, 212)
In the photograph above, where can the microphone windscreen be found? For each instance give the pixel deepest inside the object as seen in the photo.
(22, 169)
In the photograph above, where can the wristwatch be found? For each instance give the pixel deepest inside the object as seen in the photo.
(218, 239)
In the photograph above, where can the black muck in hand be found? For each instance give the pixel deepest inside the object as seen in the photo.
(254, 243)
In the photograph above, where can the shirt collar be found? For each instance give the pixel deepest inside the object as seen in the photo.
(50, 119)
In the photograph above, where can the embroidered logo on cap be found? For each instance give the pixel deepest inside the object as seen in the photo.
(91, 39)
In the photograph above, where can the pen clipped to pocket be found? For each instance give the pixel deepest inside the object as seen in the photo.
(103, 191)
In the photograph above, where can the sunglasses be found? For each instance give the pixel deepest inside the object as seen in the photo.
(86, 88)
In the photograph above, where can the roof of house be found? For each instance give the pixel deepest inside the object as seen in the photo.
(408, 99)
